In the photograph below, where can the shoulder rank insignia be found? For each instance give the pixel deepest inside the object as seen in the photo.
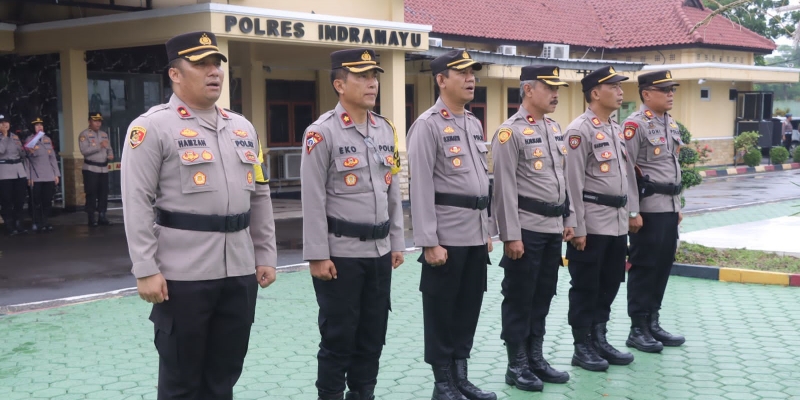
(527, 131)
(630, 130)
(183, 112)
(596, 121)
(312, 138)
(648, 113)
(223, 113)
(530, 119)
(346, 119)
(445, 113)
(371, 119)
(136, 137)
(574, 141)
(504, 134)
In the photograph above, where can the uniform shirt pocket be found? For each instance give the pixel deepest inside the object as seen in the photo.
(483, 151)
(454, 159)
(605, 163)
(656, 148)
(197, 170)
(535, 158)
(352, 174)
(249, 160)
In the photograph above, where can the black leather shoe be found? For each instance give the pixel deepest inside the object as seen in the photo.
(518, 373)
(585, 355)
(640, 337)
(539, 366)
(444, 387)
(337, 396)
(606, 350)
(365, 393)
(666, 338)
(91, 221)
(102, 220)
(466, 387)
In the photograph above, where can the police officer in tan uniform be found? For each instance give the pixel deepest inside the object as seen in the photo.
(530, 204)
(192, 185)
(352, 227)
(13, 179)
(449, 201)
(599, 174)
(44, 175)
(653, 141)
(97, 152)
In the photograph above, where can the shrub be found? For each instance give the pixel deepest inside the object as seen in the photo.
(743, 143)
(797, 154)
(753, 157)
(687, 158)
(778, 155)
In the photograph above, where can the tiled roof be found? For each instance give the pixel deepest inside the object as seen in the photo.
(610, 24)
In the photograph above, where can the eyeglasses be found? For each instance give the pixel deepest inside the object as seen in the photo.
(665, 90)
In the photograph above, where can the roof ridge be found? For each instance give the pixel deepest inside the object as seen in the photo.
(695, 36)
(605, 32)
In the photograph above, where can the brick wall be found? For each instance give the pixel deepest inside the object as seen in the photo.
(722, 154)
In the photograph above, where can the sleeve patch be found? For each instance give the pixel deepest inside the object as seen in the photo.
(312, 138)
(136, 137)
(630, 130)
(574, 141)
(504, 134)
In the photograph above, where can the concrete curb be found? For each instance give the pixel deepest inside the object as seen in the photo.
(735, 275)
(748, 170)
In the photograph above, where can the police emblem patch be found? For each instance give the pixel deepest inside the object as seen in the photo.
(455, 149)
(312, 138)
(240, 133)
(190, 156)
(83, 138)
(503, 135)
(250, 156)
(600, 136)
(538, 165)
(630, 130)
(657, 151)
(136, 137)
(537, 152)
(527, 132)
(604, 167)
(199, 179)
(456, 162)
(350, 162)
(249, 177)
(207, 155)
(388, 178)
(188, 133)
(350, 180)
(449, 129)
(390, 159)
(564, 150)
(574, 141)
(663, 140)
(606, 155)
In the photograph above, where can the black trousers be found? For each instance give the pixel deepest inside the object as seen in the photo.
(353, 315)
(201, 334)
(529, 285)
(95, 185)
(12, 199)
(42, 196)
(452, 295)
(596, 273)
(652, 255)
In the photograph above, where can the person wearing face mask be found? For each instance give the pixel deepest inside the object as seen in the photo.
(13, 179)
(449, 207)
(44, 175)
(654, 141)
(97, 152)
(598, 177)
(530, 205)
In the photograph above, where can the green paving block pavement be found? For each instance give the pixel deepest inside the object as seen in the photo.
(742, 343)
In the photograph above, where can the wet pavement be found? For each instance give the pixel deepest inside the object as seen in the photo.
(741, 190)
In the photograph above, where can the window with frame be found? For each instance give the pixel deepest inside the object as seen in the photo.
(514, 101)
(291, 108)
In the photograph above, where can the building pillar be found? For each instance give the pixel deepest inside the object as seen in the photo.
(75, 104)
(393, 105)
(225, 97)
(254, 94)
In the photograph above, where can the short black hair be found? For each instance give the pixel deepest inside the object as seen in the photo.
(641, 89)
(176, 63)
(446, 74)
(338, 73)
(587, 95)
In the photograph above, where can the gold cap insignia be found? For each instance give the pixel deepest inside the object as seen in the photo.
(366, 56)
(205, 40)
(555, 72)
(669, 76)
(465, 54)
(611, 70)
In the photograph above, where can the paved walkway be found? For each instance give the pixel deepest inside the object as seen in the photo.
(741, 344)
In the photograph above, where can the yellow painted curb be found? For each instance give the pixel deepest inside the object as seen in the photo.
(566, 262)
(732, 171)
(761, 168)
(786, 166)
(703, 174)
(750, 276)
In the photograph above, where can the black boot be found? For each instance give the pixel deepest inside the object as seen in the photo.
(585, 355)
(540, 366)
(666, 338)
(365, 393)
(92, 221)
(444, 387)
(605, 349)
(466, 387)
(640, 336)
(519, 372)
(102, 220)
(337, 396)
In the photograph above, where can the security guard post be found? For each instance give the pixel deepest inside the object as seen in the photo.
(44, 174)
(653, 141)
(97, 152)
(192, 185)
(352, 227)
(598, 176)
(13, 179)
(449, 201)
(530, 204)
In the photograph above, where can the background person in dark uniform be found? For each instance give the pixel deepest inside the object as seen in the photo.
(352, 227)
(192, 185)
(598, 178)
(653, 140)
(450, 196)
(97, 152)
(44, 175)
(13, 179)
(530, 201)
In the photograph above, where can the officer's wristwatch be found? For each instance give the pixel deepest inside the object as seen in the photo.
(633, 214)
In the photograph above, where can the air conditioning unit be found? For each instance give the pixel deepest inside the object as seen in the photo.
(557, 51)
(434, 42)
(507, 50)
(291, 166)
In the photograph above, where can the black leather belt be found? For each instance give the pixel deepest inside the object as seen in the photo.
(666, 188)
(17, 161)
(540, 207)
(96, 164)
(364, 232)
(202, 223)
(605, 200)
(457, 200)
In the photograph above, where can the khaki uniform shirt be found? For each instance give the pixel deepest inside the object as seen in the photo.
(446, 157)
(654, 144)
(183, 164)
(346, 178)
(89, 143)
(597, 162)
(11, 149)
(529, 160)
(42, 164)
